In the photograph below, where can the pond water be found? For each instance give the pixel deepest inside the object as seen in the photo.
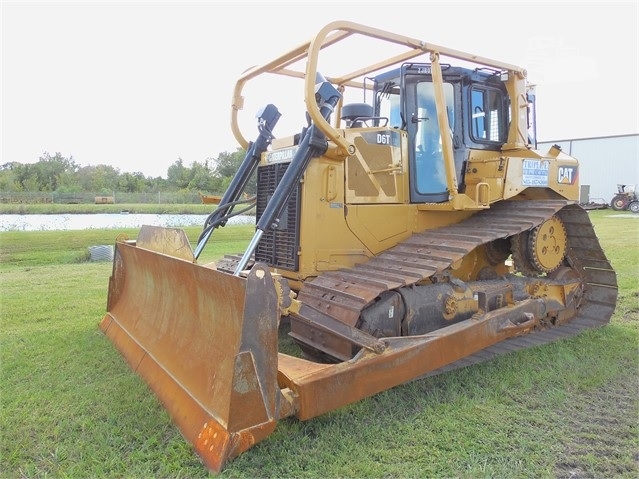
(121, 220)
(99, 221)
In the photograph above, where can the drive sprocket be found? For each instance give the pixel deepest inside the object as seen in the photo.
(541, 249)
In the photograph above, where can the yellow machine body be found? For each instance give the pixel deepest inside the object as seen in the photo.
(357, 207)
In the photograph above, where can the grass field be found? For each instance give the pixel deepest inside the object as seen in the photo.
(70, 407)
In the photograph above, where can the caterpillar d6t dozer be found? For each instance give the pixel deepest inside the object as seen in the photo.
(410, 230)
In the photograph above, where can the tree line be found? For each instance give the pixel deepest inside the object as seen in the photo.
(58, 174)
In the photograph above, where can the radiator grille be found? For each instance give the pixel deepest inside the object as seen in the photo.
(278, 248)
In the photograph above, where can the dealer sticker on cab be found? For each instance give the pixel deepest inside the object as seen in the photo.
(535, 172)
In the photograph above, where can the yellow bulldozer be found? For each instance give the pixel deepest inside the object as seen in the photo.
(408, 227)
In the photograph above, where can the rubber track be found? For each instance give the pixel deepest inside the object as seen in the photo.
(345, 293)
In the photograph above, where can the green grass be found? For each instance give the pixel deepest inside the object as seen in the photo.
(40, 248)
(70, 407)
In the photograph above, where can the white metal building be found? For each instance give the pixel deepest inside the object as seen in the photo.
(604, 162)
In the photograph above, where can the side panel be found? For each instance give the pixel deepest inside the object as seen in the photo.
(326, 241)
(508, 175)
(378, 170)
(535, 171)
(381, 227)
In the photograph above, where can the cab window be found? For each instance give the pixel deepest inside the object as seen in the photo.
(487, 115)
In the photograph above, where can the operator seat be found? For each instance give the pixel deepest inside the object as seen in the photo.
(356, 113)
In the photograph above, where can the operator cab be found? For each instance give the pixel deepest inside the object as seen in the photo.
(477, 107)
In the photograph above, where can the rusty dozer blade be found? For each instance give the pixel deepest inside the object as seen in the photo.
(203, 340)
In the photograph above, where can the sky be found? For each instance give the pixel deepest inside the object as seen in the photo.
(138, 85)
